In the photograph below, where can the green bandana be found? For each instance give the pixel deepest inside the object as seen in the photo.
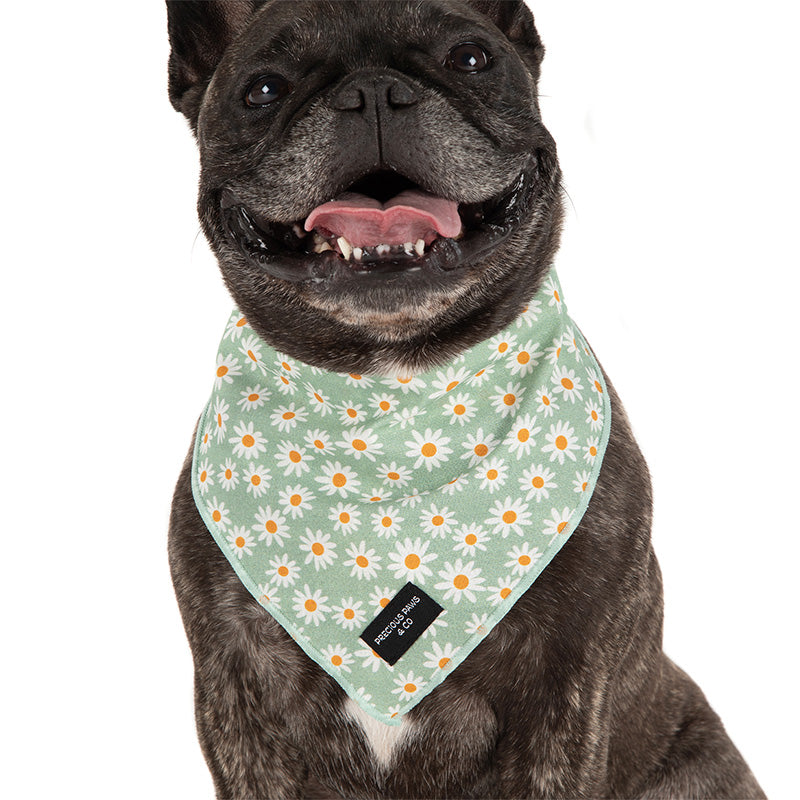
(329, 493)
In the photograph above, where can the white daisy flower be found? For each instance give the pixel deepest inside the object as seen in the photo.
(447, 380)
(241, 541)
(234, 328)
(219, 513)
(257, 477)
(221, 417)
(477, 624)
(431, 630)
(337, 656)
(594, 414)
(204, 479)
(253, 397)
(594, 380)
(410, 559)
(546, 402)
(439, 657)
(363, 560)
(478, 445)
(525, 359)
(481, 376)
(581, 481)
(520, 438)
(361, 442)
(501, 344)
(269, 595)
(287, 366)
(345, 517)
(349, 614)
(386, 521)
(251, 349)
(228, 476)
(553, 352)
(411, 500)
(460, 580)
(296, 500)
(227, 368)
(429, 449)
(506, 401)
(571, 341)
(502, 589)
(310, 606)
(470, 538)
(537, 482)
(338, 479)
(555, 297)
(351, 414)
(205, 441)
(285, 384)
(522, 558)
(320, 550)
(567, 383)
(406, 686)
(271, 526)
(293, 458)
(561, 441)
(461, 408)
(247, 442)
(370, 659)
(285, 418)
(509, 516)
(591, 450)
(493, 474)
(558, 521)
(383, 404)
(360, 381)
(320, 403)
(529, 314)
(381, 597)
(457, 484)
(394, 475)
(405, 383)
(320, 440)
(283, 570)
(406, 417)
(437, 521)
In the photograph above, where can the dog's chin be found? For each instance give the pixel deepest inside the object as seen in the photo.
(395, 290)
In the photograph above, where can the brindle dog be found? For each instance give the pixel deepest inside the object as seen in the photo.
(570, 695)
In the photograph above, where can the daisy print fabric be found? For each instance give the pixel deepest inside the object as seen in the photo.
(329, 492)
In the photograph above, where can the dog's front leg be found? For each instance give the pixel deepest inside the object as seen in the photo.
(247, 754)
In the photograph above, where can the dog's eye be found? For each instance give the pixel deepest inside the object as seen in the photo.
(468, 57)
(267, 89)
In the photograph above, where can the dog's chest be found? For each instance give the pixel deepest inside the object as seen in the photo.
(383, 739)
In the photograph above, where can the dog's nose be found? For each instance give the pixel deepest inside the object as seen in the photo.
(364, 92)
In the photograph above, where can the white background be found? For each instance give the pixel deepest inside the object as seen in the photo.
(678, 132)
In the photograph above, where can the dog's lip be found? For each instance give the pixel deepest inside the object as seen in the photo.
(276, 250)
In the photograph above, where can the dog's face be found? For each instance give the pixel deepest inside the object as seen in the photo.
(375, 177)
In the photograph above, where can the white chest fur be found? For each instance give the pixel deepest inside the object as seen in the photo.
(382, 738)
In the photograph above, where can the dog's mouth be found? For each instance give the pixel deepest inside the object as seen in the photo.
(384, 225)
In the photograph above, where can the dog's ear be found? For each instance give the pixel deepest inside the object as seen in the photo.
(199, 33)
(515, 20)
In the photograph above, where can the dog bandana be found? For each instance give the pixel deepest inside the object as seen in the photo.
(389, 523)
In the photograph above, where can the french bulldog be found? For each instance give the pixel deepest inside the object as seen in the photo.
(299, 108)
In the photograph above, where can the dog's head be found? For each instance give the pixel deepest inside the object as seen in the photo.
(376, 181)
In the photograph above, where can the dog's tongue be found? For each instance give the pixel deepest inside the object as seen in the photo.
(408, 217)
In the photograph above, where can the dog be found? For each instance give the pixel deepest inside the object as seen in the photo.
(318, 123)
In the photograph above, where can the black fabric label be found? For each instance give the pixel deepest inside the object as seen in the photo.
(403, 620)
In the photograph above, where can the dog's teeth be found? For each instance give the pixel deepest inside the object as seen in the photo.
(382, 249)
(299, 232)
(357, 253)
(345, 247)
(409, 247)
(317, 238)
(420, 246)
(322, 247)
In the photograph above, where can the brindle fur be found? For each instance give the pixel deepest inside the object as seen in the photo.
(570, 695)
